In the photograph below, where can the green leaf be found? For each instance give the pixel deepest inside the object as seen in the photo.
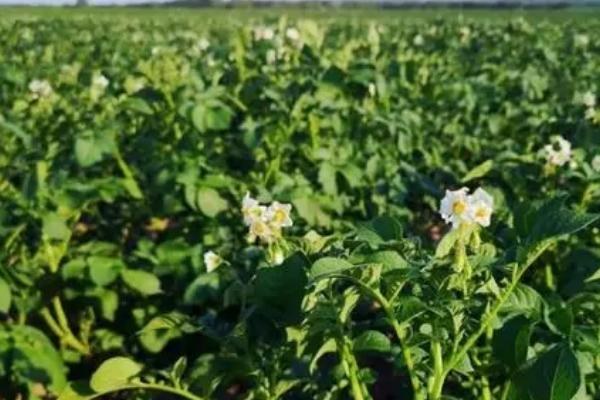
(279, 290)
(310, 210)
(479, 171)
(77, 391)
(54, 227)
(104, 270)
(380, 230)
(511, 342)
(114, 373)
(213, 115)
(327, 178)
(138, 105)
(552, 219)
(92, 147)
(554, 375)
(329, 346)
(107, 300)
(327, 266)
(205, 287)
(372, 341)
(560, 320)
(390, 259)
(74, 269)
(523, 300)
(141, 281)
(163, 328)
(210, 202)
(33, 357)
(5, 296)
(446, 245)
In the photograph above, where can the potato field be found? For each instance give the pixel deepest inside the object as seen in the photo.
(297, 205)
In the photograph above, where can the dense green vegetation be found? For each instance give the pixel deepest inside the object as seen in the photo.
(264, 207)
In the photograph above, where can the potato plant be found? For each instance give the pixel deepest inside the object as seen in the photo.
(261, 207)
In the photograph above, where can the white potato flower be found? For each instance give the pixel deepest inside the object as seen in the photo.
(202, 44)
(418, 40)
(590, 113)
(252, 210)
(458, 207)
(278, 215)
(265, 223)
(212, 261)
(581, 40)
(260, 229)
(558, 152)
(372, 89)
(292, 34)
(596, 163)
(589, 99)
(99, 82)
(465, 33)
(480, 207)
(40, 89)
(454, 207)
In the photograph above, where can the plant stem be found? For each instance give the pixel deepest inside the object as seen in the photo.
(351, 369)
(491, 316)
(51, 322)
(400, 334)
(62, 330)
(439, 376)
(486, 393)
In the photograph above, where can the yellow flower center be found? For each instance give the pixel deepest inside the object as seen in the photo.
(259, 228)
(459, 207)
(279, 216)
(481, 213)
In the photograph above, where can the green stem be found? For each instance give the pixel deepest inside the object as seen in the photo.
(351, 369)
(63, 332)
(439, 376)
(491, 316)
(486, 393)
(400, 334)
(52, 324)
(60, 314)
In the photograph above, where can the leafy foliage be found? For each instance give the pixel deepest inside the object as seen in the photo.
(127, 146)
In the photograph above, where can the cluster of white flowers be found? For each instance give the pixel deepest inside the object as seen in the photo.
(40, 89)
(202, 44)
(293, 34)
(589, 101)
(418, 40)
(558, 152)
(99, 82)
(465, 33)
(212, 261)
(581, 40)
(372, 89)
(265, 223)
(263, 33)
(596, 163)
(458, 207)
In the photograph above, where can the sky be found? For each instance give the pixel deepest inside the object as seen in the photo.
(108, 2)
(57, 2)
